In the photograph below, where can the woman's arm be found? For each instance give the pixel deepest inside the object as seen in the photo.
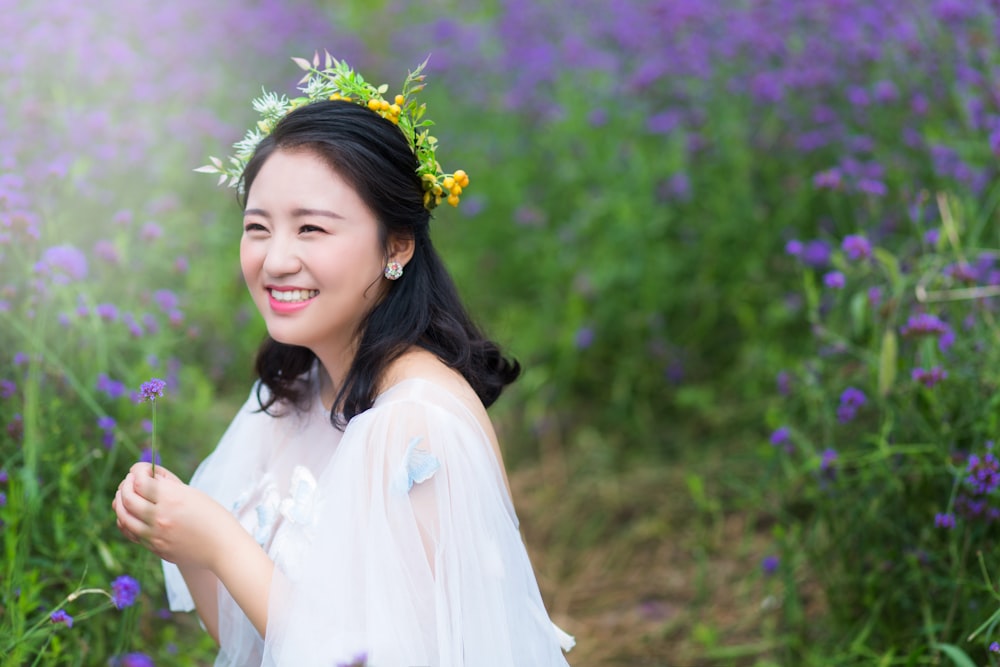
(203, 586)
(185, 526)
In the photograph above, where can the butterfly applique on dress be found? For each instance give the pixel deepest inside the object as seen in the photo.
(418, 465)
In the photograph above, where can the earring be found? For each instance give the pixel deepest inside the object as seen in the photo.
(393, 270)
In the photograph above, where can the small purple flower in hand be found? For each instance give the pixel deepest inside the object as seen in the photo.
(150, 391)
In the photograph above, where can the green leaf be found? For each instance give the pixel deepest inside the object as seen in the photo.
(957, 655)
(887, 362)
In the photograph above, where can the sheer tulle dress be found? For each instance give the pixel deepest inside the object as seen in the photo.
(394, 539)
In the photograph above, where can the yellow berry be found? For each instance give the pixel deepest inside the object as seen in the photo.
(448, 182)
(395, 110)
(453, 200)
(373, 104)
(335, 96)
(460, 175)
(427, 198)
(436, 189)
(384, 105)
(400, 100)
(394, 119)
(456, 189)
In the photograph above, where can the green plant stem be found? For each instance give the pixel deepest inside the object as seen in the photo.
(152, 442)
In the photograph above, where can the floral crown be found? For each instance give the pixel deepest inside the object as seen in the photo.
(337, 81)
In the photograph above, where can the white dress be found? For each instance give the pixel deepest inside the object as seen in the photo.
(393, 540)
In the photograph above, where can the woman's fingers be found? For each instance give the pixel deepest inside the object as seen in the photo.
(130, 526)
(134, 502)
(145, 486)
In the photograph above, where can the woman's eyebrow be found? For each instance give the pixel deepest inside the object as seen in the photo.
(297, 213)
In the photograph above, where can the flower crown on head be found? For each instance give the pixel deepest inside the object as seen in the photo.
(337, 81)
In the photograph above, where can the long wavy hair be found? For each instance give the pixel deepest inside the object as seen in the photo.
(422, 308)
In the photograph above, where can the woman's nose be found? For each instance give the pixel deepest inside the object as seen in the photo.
(282, 256)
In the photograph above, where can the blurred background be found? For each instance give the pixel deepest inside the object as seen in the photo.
(744, 249)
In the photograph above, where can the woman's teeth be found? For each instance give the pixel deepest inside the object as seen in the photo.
(290, 296)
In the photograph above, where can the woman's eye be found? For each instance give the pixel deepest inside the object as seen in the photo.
(253, 227)
(310, 228)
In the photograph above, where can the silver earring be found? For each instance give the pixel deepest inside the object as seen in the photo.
(393, 270)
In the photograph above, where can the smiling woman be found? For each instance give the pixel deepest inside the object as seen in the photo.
(311, 255)
(358, 504)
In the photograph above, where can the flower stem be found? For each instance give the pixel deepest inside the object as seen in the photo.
(152, 444)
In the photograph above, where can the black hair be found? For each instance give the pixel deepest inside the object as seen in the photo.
(422, 308)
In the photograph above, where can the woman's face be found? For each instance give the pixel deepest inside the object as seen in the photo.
(310, 253)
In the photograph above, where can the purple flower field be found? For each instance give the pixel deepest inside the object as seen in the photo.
(691, 221)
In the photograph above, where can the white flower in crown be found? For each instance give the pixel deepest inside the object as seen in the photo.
(271, 106)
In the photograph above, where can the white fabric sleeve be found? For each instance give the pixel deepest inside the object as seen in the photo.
(223, 476)
(415, 557)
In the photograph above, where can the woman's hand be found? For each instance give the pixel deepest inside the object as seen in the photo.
(178, 523)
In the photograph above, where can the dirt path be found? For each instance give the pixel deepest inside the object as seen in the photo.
(648, 571)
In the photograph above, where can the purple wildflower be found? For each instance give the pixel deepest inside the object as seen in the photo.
(132, 660)
(816, 254)
(60, 616)
(780, 436)
(857, 247)
(106, 250)
(924, 324)
(929, 376)
(784, 382)
(151, 390)
(830, 179)
(770, 564)
(931, 236)
(874, 295)
(995, 647)
(584, 338)
(834, 280)
(151, 231)
(147, 456)
(850, 400)
(872, 186)
(112, 388)
(3, 499)
(984, 473)
(107, 311)
(65, 262)
(106, 423)
(828, 462)
(4, 477)
(7, 388)
(124, 591)
(166, 299)
(942, 520)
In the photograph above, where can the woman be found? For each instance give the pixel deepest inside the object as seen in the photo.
(357, 507)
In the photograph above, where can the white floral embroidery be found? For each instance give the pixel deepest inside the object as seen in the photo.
(267, 514)
(298, 507)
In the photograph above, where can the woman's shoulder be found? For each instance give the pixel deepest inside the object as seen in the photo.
(419, 383)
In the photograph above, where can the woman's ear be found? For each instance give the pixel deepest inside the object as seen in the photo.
(401, 249)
